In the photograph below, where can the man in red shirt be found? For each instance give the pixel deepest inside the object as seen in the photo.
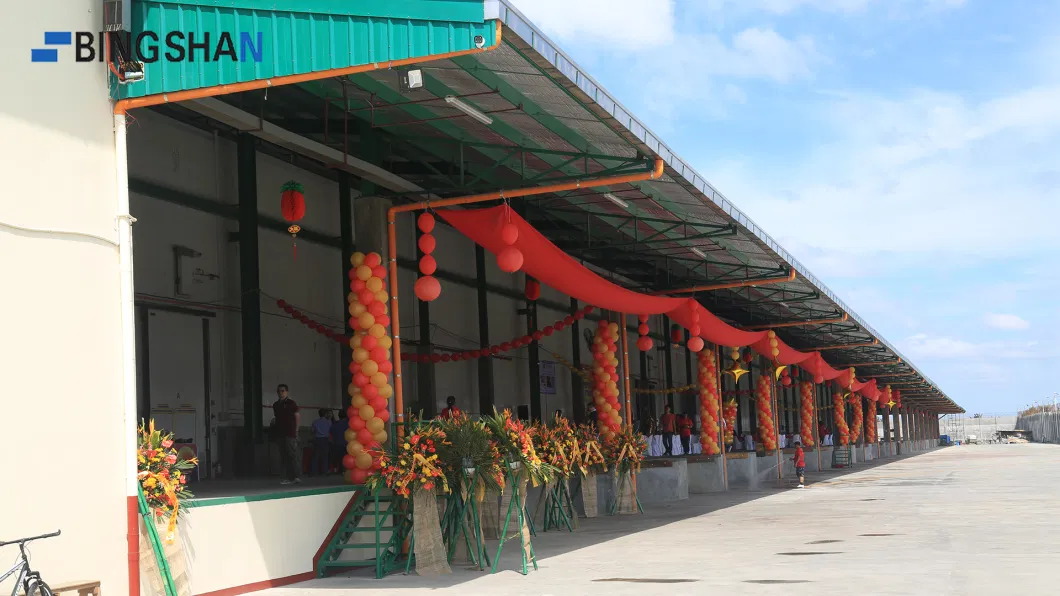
(450, 411)
(668, 422)
(685, 425)
(800, 464)
(287, 419)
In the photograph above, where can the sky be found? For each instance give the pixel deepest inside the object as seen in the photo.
(906, 151)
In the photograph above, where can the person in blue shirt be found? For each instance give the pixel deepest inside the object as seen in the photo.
(321, 443)
(338, 440)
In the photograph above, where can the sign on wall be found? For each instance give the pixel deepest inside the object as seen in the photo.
(547, 374)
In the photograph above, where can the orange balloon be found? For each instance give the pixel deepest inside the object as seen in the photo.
(353, 390)
(380, 436)
(386, 392)
(369, 367)
(364, 460)
(378, 379)
(360, 354)
(366, 320)
(382, 296)
(385, 342)
(350, 437)
(357, 259)
(366, 411)
(377, 331)
(358, 401)
(375, 425)
(374, 285)
(364, 272)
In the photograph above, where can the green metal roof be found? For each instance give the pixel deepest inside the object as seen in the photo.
(296, 37)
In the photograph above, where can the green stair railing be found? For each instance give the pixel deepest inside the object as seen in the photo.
(156, 542)
(385, 513)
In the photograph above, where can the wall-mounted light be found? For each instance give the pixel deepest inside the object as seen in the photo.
(616, 200)
(467, 109)
(411, 80)
(699, 253)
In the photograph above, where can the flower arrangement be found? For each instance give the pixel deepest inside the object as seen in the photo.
(587, 454)
(555, 445)
(516, 445)
(624, 450)
(414, 463)
(469, 444)
(162, 474)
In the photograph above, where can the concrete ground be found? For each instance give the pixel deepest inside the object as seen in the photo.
(962, 520)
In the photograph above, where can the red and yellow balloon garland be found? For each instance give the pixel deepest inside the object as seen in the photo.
(806, 426)
(858, 419)
(767, 434)
(870, 423)
(371, 367)
(605, 377)
(841, 428)
(729, 412)
(708, 402)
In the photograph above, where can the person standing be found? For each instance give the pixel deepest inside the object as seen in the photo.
(668, 422)
(590, 414)
(450, 411)
(800, 464)
(685, 430)
(321, 443)
(338, 439)
(287, 420)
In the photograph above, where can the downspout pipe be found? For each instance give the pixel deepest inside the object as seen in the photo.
(125, 252)
(128, 348)
(391, 216)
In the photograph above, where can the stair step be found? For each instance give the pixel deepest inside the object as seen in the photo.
(355, 545)
(368, 563)
(372, 529)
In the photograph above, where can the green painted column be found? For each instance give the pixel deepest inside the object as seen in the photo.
(486, 396)
(249, 289)
(346, 238)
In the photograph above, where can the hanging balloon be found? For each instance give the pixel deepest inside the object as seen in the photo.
(644, 343)
(695, 344)
(510, 260)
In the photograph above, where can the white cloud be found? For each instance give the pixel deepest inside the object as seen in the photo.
(1007, 322)
(784, 7)
(928, 346)
(635, 24)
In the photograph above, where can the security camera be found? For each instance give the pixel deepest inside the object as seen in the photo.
(480, 42)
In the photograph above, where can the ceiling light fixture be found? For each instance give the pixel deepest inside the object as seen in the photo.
(467, 109)
(699, 253)
(616, 200)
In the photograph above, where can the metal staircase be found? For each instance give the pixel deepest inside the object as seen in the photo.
(377, 523)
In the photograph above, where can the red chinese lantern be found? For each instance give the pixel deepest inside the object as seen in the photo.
(292, 206)
(532, 289)
(675, 334)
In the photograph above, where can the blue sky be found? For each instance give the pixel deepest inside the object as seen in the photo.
(907, 151)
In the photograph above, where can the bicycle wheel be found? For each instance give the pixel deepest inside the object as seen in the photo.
(37, 587)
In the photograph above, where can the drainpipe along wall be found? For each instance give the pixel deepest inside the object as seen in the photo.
(125, 252)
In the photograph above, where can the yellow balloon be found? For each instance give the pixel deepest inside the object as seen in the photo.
(377, 331)
(358, 401)
(352, 390)
(364, 272)
(366, 320)
(350, 437)
(374, 284)
(385, 342)
(369, 367)
(380, 436)
(386, 392)
(364, 460)
(360, 355)
(613, 327)
(366, 411)
(355, 342)
(613, 362)
(357, 259)
(351, 298)
(375, 425)
(378, 379)
(382, 296)
(354, 446)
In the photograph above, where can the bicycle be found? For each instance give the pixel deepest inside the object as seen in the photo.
(27, 578)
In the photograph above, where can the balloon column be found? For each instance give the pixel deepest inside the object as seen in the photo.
(729, 412)
(870, 423)
(859, 417)
(806, 421)
(767, 433)
(605, 377)
(371, 367)
(708, 402)
(840, 418)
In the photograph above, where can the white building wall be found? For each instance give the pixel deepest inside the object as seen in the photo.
(61, 350)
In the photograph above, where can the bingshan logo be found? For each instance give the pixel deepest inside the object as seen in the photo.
(149, 47)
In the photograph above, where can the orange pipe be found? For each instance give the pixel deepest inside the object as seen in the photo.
(391, 218)
(625, 366)
(132, 517)
(844, 346)
(798, 323)
(852, 364)
(121, 106)
(735, 284)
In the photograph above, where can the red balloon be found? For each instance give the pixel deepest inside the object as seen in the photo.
(370, 391)
(456, 357)
(281, 303)
(369, 342)
(588, 309)
(695, 344)
(509, 234)
(505, 346)
(446, 357)
(642, 318)
(427, 288)
(355, 419)
(349, 462)
(377, 308)
(366, 297)
(377, 403)
(548, 330)
(386, 367)
(383, 320)
(383, 415)
(373, 259)
(435, 358)
(361, 380)
(510, 260)
(358, 476)
(379, 271)
(364, 436)
(526, 339)
(495, 350)
(425, 222)
(748, 356)
(303, 319)
(378, 354)
(644, 343)
(818, 379)
(610, 369)
(559, 326)
(428, 265)
(643, 329)
(614, 377)
(695, 331)
(578, 316)
(353, 323)
(427, 244)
